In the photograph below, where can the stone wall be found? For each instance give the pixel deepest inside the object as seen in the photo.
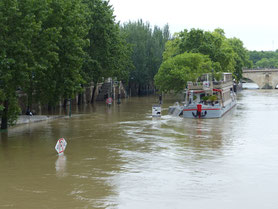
(264, 78)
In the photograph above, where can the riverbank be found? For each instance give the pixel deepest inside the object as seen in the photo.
(24, 119)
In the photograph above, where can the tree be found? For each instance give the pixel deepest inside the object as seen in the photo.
(121, 59)
(41, 52)
(2, 96)
(107, 54)
(172, 47)
(63, 79)
(214, 44)
(57, 51)
(226, 55)
(241, 57)
(156, 49)
(148, 45)
(138, 35)
(264, 59)
(18, 26)
(267, 63)
(174, 73)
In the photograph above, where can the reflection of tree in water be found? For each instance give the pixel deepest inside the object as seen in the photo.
(60, 165)
(4, 145)
(205, 138)
(96, 160)
(93, 176)
(4, 138)
(206, 135)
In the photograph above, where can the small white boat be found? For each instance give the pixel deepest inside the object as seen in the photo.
(207, 99)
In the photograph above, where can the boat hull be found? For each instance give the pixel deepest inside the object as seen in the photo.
(207, 112)
(204, 111)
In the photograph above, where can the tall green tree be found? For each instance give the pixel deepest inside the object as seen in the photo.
(227, 55)
(58, 51)
(267, 63)
(148, 45)
(172, 47)
(139, 35)
(264, 59)
(174, 73)
(213, 44)
(241, 57)
(121, 60)
(63, 79)
(17, 28)
(107, 54)
(41, 52)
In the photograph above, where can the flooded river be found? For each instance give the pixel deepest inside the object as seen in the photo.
(120, 157)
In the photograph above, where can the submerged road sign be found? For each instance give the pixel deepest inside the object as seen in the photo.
(61, 146)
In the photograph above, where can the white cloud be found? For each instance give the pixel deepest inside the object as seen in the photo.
(252, 21)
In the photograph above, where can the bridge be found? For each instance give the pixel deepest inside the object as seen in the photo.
(265, 78)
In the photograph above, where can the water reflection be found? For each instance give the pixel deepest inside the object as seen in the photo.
(60, 165)
(121, 157)
(250, 86)
(172, 155)
(4, 138)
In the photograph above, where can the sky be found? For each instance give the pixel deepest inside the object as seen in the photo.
(254, 22)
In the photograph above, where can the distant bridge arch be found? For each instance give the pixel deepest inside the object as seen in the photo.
(265, 78)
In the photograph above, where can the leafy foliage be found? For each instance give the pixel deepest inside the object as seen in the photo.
(213, 44)
(108, 54)
(58, 51)
(172, 47)
(101, 21)
(18, 26)
(49, 49)
(176, 71)
(148, 46)
(264, 59)
(226, 55)
(241, 57)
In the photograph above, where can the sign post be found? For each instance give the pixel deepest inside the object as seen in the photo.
(61, 146)
(156, 111)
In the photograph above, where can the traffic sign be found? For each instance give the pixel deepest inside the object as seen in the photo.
(61, 146)
(156, 111)
(109, 101)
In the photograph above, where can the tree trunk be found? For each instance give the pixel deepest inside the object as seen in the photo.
(80, 100)
(4, 120)
(30, 96)
(29, 104)
(65, 103)
(139, 90)
(49, 107)
(93, 94)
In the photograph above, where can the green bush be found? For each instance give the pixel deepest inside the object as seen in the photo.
(212, 98)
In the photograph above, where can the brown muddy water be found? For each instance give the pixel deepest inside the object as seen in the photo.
(120, 157)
